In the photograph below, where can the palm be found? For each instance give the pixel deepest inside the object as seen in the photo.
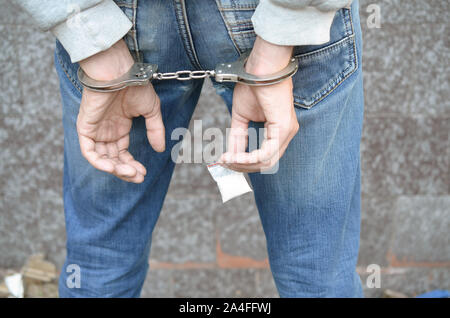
(110, 127)
(104, 124)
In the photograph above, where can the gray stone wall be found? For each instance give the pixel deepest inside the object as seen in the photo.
(204, 248)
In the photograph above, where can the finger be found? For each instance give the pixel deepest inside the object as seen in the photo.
(112, 150)
(126, 157)
(155, 128)
(274, 137)
(269, 148)
(238, 134)
(237, 138)
(100, 148)
(260, 166)
(259, 159)
(138, 178)
(125, 170)
(101, 161)
(121, 169)
(87, 147)
(121, 172)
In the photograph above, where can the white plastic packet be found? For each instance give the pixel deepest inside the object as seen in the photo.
(231, 183)
(15, 285)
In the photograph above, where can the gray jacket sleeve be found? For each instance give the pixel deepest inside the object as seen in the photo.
(296, 22)
(84, 27)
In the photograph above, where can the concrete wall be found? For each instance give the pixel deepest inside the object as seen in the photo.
(204, 248)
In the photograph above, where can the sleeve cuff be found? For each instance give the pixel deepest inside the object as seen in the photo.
(93, 30)
(287, 26)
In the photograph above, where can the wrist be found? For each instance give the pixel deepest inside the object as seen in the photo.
(267, 58)
(109, 64)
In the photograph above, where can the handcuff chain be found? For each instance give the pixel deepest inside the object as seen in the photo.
(143, 73)
(183, 75)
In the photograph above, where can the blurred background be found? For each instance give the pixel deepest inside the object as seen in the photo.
(203, 248)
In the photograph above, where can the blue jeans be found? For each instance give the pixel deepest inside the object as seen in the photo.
(309, 209)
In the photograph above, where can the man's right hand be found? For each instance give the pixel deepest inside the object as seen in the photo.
(105, 119)
(272, 104)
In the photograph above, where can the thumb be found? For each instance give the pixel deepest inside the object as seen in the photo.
(155, 127)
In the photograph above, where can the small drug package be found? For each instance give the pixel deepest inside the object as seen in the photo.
(231, 183)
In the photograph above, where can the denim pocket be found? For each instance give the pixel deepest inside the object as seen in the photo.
(237, 15)
(130, 7)
(322, 68)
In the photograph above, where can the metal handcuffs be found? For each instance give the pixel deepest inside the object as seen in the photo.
(144, 73)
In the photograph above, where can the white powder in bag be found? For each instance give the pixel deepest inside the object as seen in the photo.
(231, 183)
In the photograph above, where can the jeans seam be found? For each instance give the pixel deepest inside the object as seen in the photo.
(71, 79)
(347, 16)
(185, 32)
(135, 33)
(236, 6)
(243, 23)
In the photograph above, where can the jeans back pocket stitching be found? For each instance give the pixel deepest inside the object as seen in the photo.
(332, 85)
(135, 33)
(228, 27)
(340, 77)
(241, 7)
(333, 47)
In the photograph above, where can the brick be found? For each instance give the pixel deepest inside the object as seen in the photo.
(405, 156)
(400, 12)
(404, 70)
(158, 284)
(421, 231)
(377, 214)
